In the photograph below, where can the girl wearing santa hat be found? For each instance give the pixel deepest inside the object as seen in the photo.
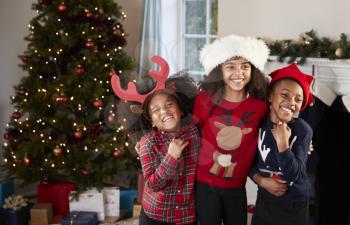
(228, 112)
(284, 139)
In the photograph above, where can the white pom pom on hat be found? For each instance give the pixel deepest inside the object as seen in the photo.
(224, 48)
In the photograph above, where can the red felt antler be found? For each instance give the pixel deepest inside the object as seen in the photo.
(131, 93)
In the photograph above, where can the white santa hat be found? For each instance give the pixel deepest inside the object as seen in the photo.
(224, 48)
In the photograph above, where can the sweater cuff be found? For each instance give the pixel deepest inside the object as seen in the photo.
(285, 157)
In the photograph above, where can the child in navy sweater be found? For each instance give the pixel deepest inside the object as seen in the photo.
(284, 139)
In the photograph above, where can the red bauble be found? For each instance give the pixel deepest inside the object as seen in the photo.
(8, 136)
(117, 32)
(30, 36)
(62, 7)
(78, 134)
(26, 160)
(79, 71)
(117, 152)
(89, 44)
(57, 151)
(88, 13)
(97, 103)
(112, 73)
(61, 99)
(24, 58)
(85, 171)
(16, 115)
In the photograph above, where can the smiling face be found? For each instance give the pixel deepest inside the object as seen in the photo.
(286, 99)
(236, 74)
(165, 113)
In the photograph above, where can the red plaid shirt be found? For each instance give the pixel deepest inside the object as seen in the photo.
(169, 183)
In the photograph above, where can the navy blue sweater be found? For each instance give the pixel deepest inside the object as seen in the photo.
(290, 165)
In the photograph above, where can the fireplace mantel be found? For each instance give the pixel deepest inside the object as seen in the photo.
(333, 73)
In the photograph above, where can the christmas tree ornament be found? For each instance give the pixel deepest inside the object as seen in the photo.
(338, 52)
(78, 134)
(16, 115)
(22, 92)
(62, 7)
(117, 152)
(79, 71)
(57, 151)
(61, 99)
(24, 58)
(117, 32)
(97, 103)
(88, 14)
(30, 36)
(8, 136)
(26, 160)
(111, 73)
(89, 43)
(111, 118)
(86, 171)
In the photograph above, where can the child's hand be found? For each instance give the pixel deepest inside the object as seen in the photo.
(176, 147)
(276, 187)
(281, 132)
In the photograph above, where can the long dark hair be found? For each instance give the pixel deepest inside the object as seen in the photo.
(214, 84)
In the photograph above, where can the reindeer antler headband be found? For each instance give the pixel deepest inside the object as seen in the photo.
(131, 93)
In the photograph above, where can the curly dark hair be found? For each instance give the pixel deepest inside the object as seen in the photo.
(180, 87)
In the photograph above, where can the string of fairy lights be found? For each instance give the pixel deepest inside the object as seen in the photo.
(23, 123)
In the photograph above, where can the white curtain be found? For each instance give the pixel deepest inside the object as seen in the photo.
(151, 35)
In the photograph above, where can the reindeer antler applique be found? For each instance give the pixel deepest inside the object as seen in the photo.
(131, 93)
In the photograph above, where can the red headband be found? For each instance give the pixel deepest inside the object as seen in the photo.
(131, 93)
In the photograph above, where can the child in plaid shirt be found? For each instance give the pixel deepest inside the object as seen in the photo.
(168, 157)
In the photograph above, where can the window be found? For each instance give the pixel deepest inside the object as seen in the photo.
(199, 27)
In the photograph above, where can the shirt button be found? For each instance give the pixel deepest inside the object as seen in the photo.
(177, 207)
(267, 166)
(180, 174)
(178, 191)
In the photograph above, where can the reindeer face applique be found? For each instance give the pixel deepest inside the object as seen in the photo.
(229, 138)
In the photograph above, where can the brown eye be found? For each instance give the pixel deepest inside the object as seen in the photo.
(299, 100)
(246, 66)
(283, 95)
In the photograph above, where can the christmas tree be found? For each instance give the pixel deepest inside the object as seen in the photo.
(64, 126)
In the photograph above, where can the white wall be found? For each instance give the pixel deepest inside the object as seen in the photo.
(14, 19)
(281, 19)
(132, 25)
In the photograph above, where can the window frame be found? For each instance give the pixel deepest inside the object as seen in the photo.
(196, 74)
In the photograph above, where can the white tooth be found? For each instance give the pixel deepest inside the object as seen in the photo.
(167, 118)
(237, 81)
(286, 109)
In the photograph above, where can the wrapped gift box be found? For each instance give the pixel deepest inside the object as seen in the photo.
(90, 201)
(136, 210)
(111, 196)
(127, 199)
(80, 218)
(57, 194)
(15, 217)
(41, 214)
(6, 189)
